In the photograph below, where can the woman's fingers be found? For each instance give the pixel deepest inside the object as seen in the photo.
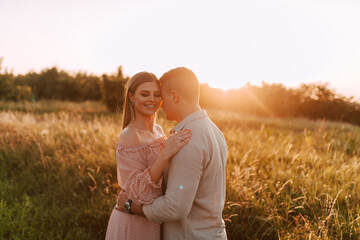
(177, 141)
(185, 141)
(183, 134)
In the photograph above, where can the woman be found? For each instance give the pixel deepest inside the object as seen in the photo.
(141, 155)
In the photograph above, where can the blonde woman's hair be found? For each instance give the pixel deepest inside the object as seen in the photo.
(132, 84)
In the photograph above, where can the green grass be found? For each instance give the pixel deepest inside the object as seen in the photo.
(286, 178)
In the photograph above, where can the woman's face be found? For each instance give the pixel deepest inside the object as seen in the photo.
(146, 98)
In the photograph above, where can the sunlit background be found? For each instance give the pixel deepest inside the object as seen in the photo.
(292, 169)
(226, 43)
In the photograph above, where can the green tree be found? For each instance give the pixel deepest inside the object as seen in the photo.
(112, 89)
(7, 90)
(23, 93)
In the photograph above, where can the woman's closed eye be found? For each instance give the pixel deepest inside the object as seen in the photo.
(146, 94)
(155, 95)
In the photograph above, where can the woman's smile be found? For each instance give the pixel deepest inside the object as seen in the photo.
(152, 106)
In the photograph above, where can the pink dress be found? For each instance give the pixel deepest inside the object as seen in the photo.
(133, 163)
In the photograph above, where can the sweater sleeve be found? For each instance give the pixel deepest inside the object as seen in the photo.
(185, 171)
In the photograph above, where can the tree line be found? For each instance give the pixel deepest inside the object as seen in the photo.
(54, 84)
(314, 101)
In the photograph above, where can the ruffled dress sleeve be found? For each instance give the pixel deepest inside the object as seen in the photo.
(135, 177)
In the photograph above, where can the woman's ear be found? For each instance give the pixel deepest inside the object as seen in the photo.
(131, 97)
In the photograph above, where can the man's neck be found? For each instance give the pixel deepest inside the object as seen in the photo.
(186, 110)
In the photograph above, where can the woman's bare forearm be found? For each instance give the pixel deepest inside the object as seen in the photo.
(173, 144)
(158, 166)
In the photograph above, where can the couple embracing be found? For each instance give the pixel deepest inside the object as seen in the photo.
(172, 188)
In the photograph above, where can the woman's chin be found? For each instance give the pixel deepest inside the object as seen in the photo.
(149, 112)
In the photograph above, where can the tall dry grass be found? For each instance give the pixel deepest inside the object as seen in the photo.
(286, 178)
(294, 183)
(57, 175)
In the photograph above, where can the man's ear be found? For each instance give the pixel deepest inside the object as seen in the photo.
(174, 96)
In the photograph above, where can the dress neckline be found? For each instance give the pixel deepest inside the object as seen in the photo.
(145, 144)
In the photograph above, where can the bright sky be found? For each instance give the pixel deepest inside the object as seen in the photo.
(226, 43)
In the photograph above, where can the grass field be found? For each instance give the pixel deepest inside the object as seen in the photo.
(286, 178)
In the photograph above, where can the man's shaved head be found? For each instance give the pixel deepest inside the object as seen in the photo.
(182, 80)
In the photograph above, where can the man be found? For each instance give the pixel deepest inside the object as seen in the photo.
(195, 178)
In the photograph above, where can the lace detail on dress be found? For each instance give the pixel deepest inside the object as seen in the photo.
(143, 190)
(133, 162)
(136, 147)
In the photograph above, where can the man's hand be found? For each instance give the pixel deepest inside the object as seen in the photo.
(120, 205)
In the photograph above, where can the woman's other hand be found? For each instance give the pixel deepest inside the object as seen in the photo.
(120, 202)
